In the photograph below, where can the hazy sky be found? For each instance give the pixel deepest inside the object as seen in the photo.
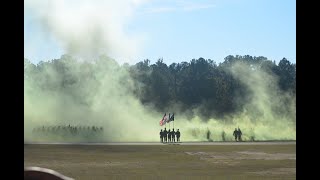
(175, 30)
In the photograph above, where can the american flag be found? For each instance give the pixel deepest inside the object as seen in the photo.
(164, 120)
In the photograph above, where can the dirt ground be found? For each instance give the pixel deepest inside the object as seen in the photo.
(241, 161)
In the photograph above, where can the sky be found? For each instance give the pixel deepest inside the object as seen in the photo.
(175, 30)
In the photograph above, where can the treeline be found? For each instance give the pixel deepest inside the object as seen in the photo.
(204, 84)
(200, 83)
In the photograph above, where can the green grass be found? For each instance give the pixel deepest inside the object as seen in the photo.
(162, 162)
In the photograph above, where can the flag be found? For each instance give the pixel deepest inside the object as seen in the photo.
(163, 120)
(171, 118)
(168, 118)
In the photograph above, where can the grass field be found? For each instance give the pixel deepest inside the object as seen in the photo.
(166, 162)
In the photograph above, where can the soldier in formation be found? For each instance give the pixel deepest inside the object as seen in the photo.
(178, 135)
(161, 136)
(165, 133)
(169, 136)
(173, 134)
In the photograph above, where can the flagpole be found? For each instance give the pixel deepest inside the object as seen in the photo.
(173, 120)
(165, 123)
(169, 120)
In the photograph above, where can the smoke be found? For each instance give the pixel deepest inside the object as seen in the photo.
(89, 28)
(270, 110)
(99, 96)
(269, 113)
(98, 92)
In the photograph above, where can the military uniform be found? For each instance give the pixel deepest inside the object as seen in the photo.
(169, 135)
(239, 134)
(173, 134)
(165, 135)
(161, 136)
(178, 135)
(235, 134)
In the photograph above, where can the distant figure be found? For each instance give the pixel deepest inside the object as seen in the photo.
(161, 136)
(235, 134)
(208, 135)
(169, 135)
(165, 132)
(178, 135)
(223, 135)
(173, 134)
(76, 130)
(239, 134)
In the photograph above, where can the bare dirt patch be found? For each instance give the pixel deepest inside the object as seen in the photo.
(244, 155)
(276, 172)
(233, 158)
(265, 156)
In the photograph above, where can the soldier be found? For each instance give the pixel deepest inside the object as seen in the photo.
(165, 135)
(178, 135)
(76, 130)
(161, 136)
(173, 135)
(239, 134)
(235, 134)
(169, 135)
(208, 135)
(223, 135)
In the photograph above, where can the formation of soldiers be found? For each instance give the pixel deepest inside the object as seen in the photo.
(67, 130)
(237, 134)
(172, 136)
(166, 136)
(169, 136)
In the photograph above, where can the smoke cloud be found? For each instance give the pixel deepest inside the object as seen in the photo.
(89, 28)
(263, 116)
(98, 92)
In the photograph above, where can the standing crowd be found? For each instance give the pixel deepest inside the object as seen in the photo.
(169, 136)
(172, 136)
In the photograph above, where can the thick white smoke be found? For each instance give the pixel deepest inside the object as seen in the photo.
(89, 28)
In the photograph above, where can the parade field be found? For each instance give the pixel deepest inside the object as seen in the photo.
(237, 160)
